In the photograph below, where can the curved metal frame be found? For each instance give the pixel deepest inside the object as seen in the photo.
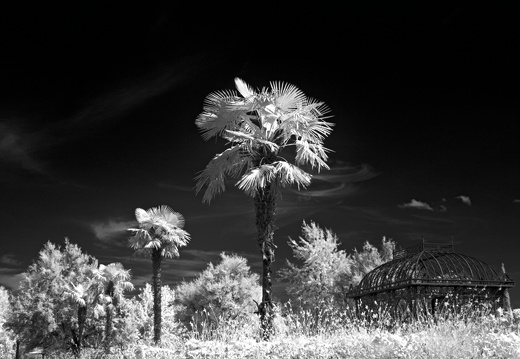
(429, 265)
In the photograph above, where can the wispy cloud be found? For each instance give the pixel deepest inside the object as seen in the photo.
(133, 93)
(9, 259)
(338, 182)
(516, 201)
(110, 230)
(416, 204)
(464, 199)
(19, 147)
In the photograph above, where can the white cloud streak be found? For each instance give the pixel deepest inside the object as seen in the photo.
(338, 182)
(464, 199)
(416, 204)
(109, 230)
(9, 259)
(19, 147)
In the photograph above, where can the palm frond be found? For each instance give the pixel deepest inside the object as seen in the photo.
(289, 174)
(317, 107)
(287, 96)
(179, 238)
(141, 215)
(315, 130)
(306, 127)
(165, 213)
(238, 136)
(230, 162)
(155, 243)
(217, 114)
(245, 90)
(139, 238)
(269, 118)
(256, 179)
(313, 154)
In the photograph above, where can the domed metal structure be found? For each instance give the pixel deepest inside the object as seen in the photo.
(428, 272)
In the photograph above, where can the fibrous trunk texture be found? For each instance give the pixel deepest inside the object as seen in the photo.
(108, 327)
(156, 280)
(108, 309)
(265, 205)
(82, 318)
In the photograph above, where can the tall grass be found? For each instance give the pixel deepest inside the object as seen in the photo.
(465, 332)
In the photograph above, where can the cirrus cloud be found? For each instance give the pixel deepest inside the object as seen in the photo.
(416, 204)
(109, 230)
(464, 199)
(338, 182)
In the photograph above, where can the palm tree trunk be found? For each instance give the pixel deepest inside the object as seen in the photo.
(17, 352)
(156, 283)
(108, 311)
(108, 327)
(265, 205)
(82, 317)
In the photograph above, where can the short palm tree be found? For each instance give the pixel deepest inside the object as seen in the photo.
(82, 295)
(114, 280)
(159, 235)
(258, 126)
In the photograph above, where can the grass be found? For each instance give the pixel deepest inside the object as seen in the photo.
(333, 334)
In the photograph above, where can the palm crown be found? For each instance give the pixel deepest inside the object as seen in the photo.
(159, 228)
(114, 280)
(258, 125)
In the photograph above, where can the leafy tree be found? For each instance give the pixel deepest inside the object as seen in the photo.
(317, 281)
(362, 262)
(227, 290)
(326, 272)
(59, 305)
(50, 309)
(258, 126)
(158, 236)
(6, 336)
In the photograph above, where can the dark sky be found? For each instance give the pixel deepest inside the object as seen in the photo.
(98, 103)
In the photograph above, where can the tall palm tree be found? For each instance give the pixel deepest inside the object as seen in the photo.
(159, 235)
(258, 126)
(114, 280)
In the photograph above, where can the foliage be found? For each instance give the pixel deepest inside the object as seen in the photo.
(160, 228)
(59, 304)
(327, 272)
(159, 235)
(6, 336)
(258, 126)
(362, 262)
(317, 281)
(469, 335)
(112, 281)
(51, 292)
(140, 317)
(222, 292)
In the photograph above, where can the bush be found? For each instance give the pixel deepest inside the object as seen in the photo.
(226, 291)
